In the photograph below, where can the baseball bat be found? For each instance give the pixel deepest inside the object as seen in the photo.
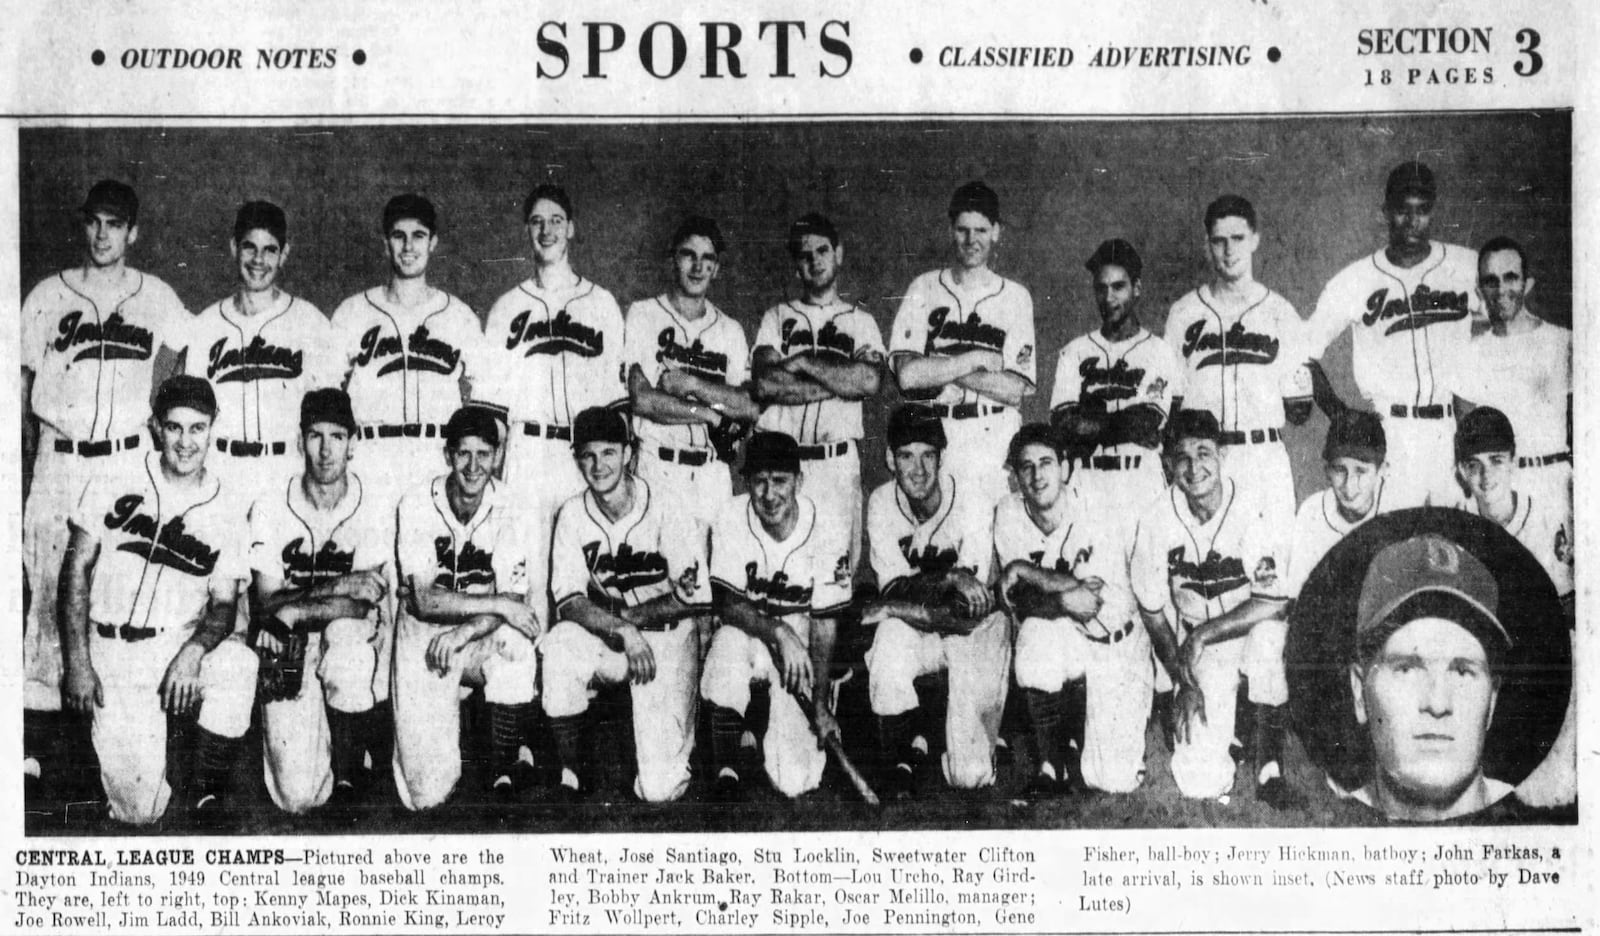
(836, 747)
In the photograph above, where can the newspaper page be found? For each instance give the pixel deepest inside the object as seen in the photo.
(961, 467)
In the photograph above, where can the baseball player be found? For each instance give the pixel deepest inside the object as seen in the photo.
(780, 574)
(469, 618)
(1409, 307)
(407, 345)
(1355, 463)
(688, 363)
(1115, 385)
(89, 339)
(321, 556)
(1210, 549)
(1522, 366)
(1066, 579)
(1238, 342)
(932, 548)
(149, 587)
(816, 358)
(626, 572)
(963, 342)
(261, 349)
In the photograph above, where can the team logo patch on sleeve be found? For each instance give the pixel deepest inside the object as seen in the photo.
(1266, 574)
(1025, 355)
(841, 570)
(1563, 545)
(1157, 388)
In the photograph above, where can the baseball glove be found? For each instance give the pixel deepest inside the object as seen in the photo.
(726, 436)
(282, 670)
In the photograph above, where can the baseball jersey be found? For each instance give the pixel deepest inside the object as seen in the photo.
(711, 347)
(1538, 525)
(646, 554)
(840, 332)
(1318, 527)
(1116, 375)
(485, 555)
(93, 365)
(1085, 545)
(958, 535)
(1238, 364)
(1527, 376)
(161, 545)
(1409, 327)
(262, 365)
(406, 366)
(806, 574)
(295, 543)
(938, 317)
(553, 353)
(1205, 569)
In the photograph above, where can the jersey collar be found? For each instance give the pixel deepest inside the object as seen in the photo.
(301, 506)
(1435, 256)
(486, 507)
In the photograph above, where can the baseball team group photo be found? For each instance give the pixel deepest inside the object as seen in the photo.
(756, 475)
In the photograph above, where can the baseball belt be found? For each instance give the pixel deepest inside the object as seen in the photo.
(126, 632)
(1253, 437)
(1435, 411)
(1113, 637)
(547, 431)
(98, 449)
(403, 430)
(1539, 461)
(239, 449)
(693, 458)
(825, 450)
(968, 410)
(1112, 462)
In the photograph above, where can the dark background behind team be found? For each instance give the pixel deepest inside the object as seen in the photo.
(1316, 182)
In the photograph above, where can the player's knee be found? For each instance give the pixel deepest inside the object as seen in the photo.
(510, 675)
(967, 771)
(346, 672)
(662, 784)
(1037, 664)
(228, 689)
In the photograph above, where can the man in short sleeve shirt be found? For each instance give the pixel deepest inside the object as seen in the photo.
(1355, 463)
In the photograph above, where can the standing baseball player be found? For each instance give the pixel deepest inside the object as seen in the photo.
(688, 363)
(469, 618)
(932, 548)
(963, 342)
(1522, 366)
(89, 339)
(626, 573)
(262, 350)
(1215, 554)
(1238, 342)
(780, 575)
(407, 345)
(1066, 579)
(816, 358)
(1115, 387)
(149, 589)
(321, 556)
(1409, 307)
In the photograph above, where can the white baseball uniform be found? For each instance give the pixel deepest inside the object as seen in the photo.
(1110, 653)
(486, 555)
(678, 461)
(805, 575)
(1242, 365)
(958, 536)
(294, 543)
(1206, 570)
(162, 547)
(652, 551)
(939, 318)
(92, 359)
(1318, 527)
(829, 431)
(1111, 376)
(1410, 330)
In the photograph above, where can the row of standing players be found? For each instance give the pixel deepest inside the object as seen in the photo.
(962, 343)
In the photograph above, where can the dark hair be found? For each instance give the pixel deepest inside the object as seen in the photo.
(471, 421)
(697, 226)
(812, 223)
(412, 206)
(1230, 206)
(263, 216)
(1032, 434)
(1503, 243)
(975, 196)
(548, 192)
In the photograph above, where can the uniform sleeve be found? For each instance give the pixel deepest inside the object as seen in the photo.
(909, 334)
(832, 576)
(1147, 568)
(639, 342)
(738, 355)
(468, 336)
(869, 338)
(1299, 561)
(1294, 380)
(1164, 379)
(413, 542)
(1177, 321)
(768, 333)
(1335, 310)
(729, 551)
(883, 540)
(265, 555)
(1007, 545)
(684, 547)
(614, 336)
(977, 542)
(233, 556)
(569, 571)
(346, 337)
(37, 331)
(1019, 347)
(89, 509)
(175, 323)
(1066, 387)
(1267, 558)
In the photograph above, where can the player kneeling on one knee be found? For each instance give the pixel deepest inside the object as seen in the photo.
(931, 545)
(628, 576)
(780, 572)
(150, 585)
(468, 618)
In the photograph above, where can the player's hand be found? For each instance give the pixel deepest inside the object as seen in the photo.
(1190, 703)
(1009, 580)
(1083, 603)
(641, 660)
(794, 661)
(367, 585)
(1189, 656)
(268, 641)
(875, 614)
(827, 725)
(519, 615)
(180, 687)
(444, 646)
(676, 382)
(83, 688)
(974, 598)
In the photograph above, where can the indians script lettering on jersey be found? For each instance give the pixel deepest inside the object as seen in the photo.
(930, 559)
(830, 339)
(559, 335)
(1061, 564)
(112, 339)
(1213, 577)
(1117, 382)
(1238, 345)
(419, 352)
(473, 568)
(303, 568)
(775, 595)
(947, 336)
(627, 568)
(167, 544)
(695, 358)
(1422, 308)
(257, 360)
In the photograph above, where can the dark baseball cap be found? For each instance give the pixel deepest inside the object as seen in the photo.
(1115, 252)
(771, 451)
(808, 224)
(326, 405)
(600, 424)
(915, 423)
(1485, 429)
(1356, 434)
(263, 216)
(471, 421)
(1032, 434)
(975, 196)
(114, 198)
(412, 206)
(1410, 178)
(188, 391)
(1191, 424)
(1428, 565)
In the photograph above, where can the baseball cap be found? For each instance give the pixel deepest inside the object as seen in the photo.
(471, 421)
(771, 451)
(550, 192)
(697, 226)
(1356, 434)
(1230, 206)
(1191, 424)
(811, 223)
(599, 424)
(113, 198)
(1115, 252)
(1032, 434)
(1410, 178)
(261, 215)
(975, 196)
(915, 423)
(1428, 565)
(326, 405)
(412, 206)
(188, 391)
(1485, 429)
